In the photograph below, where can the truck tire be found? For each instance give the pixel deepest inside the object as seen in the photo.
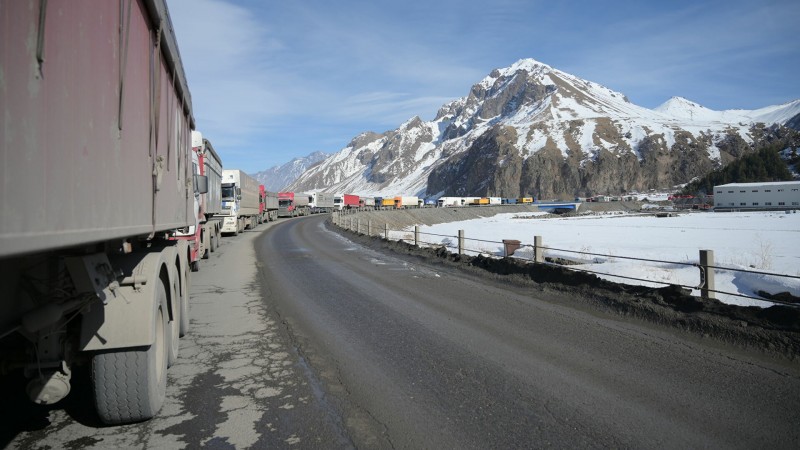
(184, 319)
(130, 384)
(206, 238)
(175, 323)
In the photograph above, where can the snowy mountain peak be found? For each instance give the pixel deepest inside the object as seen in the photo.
(681, 107)
(528, 65)
(531, 129)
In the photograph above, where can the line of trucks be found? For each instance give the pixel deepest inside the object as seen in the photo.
(110, 198)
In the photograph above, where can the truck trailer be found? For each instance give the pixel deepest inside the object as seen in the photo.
(268, 205)
(320, 202)
(97, 180)
(204, 236)
(211, 201)
(240, 202)
(351, 201)
(406, 202)
(291, 204)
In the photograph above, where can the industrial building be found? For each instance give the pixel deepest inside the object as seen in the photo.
(771, 195)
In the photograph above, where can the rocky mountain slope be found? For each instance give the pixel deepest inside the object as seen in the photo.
(530, 129)
(278, 177)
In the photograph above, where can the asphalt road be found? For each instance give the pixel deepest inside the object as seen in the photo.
(237, 382)
(303, 339)
(418, 356)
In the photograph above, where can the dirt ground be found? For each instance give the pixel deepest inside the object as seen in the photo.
(774, 331)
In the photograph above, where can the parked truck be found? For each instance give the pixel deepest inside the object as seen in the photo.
(320, 202)
(366, 203)
(406, 202)
(267, 205)
(211, 201)
(203, 235)
(291, 204)
(97, 179)
(351, 201)
(240, 202)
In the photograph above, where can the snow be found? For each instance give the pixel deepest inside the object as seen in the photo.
(756, 241)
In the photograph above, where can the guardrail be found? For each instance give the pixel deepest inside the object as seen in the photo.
(705, 265)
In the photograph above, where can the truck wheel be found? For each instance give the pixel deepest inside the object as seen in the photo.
(130, 384)
(175, 324)
(184, 307)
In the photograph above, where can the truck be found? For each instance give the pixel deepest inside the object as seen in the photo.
(204, 235)
(267, 205)
(211, 201)
(320, 202)
(406, 202)
(351, 201)
(97, 181)
(366, 203)
(291, 204)
(240, 203)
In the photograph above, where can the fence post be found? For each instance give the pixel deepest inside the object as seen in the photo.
(386, 231)
(460, 242)
(416, 235)
(369, 228)
(707, 274)
(538, 250)
(358, 225)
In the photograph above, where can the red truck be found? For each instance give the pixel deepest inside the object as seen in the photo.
(350, 201)
(292, 204)
(97, 182)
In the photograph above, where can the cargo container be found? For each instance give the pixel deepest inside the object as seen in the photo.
(351, 201)
(98, 178)
(366, 203)
(406, 202)
(387, 203)
(449, 201)
(291, 204)
(525, 200)
(480, 201)
(240, 201)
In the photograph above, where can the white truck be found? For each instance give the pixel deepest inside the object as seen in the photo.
(320, 202)
(240, 201)
(97, 180)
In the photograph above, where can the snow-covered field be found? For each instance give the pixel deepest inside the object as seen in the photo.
(760, 241)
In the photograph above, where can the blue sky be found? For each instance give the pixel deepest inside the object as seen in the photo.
(274, 80)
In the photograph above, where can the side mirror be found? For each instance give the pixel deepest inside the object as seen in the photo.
(200, 184)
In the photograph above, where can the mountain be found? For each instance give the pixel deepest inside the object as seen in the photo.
(530, 129)
(278, 177)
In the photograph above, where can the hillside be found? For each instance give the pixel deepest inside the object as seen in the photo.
(278, 177)
(531, 129)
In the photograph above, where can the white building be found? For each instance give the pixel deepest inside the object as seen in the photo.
(771, 195)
